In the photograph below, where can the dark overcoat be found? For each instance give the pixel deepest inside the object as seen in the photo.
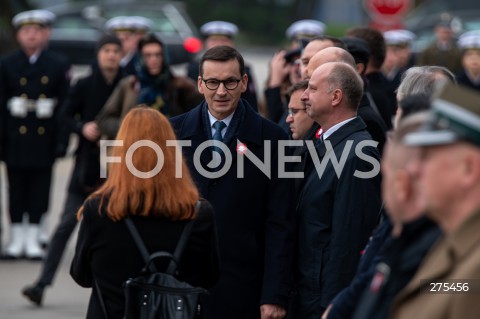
(336, 217)
(84, 101)
(254, 215)
(106, 253)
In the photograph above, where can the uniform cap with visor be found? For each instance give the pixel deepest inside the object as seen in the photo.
(222, 28)
(37, 17)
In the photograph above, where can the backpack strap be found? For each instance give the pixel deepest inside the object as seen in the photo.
(139, 242)
(172, 266)
(182, 242)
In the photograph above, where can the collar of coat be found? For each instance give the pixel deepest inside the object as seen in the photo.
(355, 125)
(249, 130)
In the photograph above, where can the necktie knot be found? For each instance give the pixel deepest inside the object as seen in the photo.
(218, 126)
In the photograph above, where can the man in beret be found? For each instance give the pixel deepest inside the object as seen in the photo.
(446, 284)
(33, 85)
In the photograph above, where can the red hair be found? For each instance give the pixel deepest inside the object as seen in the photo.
(162, 194)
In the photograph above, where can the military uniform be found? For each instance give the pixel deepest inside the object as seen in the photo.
(32, 90)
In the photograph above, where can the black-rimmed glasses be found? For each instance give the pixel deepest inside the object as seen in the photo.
(213, 84)
(292, 111)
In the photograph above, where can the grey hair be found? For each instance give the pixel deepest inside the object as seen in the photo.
(423, 80)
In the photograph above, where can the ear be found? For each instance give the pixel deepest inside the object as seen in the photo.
(337, 97)
(471, 169)
(244, 82)
(360, 68)
(199, 84)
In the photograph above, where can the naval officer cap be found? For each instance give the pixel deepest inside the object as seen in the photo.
(223, 28)
(128, 23)
(454, 116)
(305, 29)
(38, 17)
(469, 40)
(398, 37)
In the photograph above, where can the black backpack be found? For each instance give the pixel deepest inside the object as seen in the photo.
(155, 294)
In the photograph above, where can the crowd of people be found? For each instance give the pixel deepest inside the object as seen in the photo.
(349, 188)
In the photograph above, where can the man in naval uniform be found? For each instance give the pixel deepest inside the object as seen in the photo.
(33, 84)
(130, 30)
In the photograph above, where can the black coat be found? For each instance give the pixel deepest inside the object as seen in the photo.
(402, 257)
(375, 124)
(336, 218)
(84, 101)
(382, 97)
(32, 142)
(254, 216)
(105, 252)
(344, 304)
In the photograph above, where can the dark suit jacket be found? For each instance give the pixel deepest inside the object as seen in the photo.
(336, 217)
(254, 216)
(105, 252)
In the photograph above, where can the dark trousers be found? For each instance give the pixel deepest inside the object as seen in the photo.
(62, 234)
(29, 192)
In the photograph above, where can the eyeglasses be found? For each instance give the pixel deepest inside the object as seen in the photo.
(213, 84)
(292, 111)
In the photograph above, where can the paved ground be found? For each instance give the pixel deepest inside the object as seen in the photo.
(65, 299)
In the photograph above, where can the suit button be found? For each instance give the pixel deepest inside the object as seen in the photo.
(24, 96)
(23, 129)
(42, 96)
(44, 79)
(41, 130)
(23, 81)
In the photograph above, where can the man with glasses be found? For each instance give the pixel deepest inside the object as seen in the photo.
(302, 127)
(254, 212)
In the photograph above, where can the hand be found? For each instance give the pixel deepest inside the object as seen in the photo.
(90, 131)
(279, 69)
(272, 312)
(325, 313)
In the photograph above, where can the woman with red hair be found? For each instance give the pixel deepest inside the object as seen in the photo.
(159, 203)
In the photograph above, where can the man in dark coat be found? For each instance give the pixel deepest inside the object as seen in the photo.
(254, 212)
(339, 204)
(33, 85)
(84, 101)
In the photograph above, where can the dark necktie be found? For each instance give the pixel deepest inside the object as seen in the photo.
(218, 154)
(218, 126)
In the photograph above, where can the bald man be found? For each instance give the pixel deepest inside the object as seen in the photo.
(332, 230)
(375, 124)
(315, 46)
